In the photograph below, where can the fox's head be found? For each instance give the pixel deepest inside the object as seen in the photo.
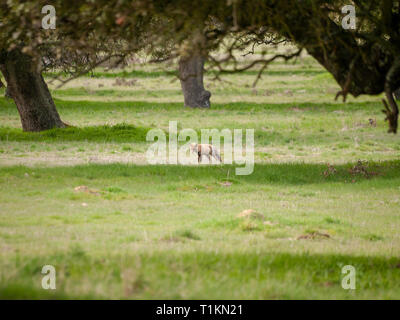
(193, 147)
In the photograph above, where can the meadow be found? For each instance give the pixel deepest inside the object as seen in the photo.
(325, 193)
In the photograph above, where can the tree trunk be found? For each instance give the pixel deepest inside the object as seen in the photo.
(191, 76)
(26, 86)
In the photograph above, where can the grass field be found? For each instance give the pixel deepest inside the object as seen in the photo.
(169, 231)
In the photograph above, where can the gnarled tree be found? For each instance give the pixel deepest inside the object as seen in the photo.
(363, 61)
(77, 45)
(26, 86)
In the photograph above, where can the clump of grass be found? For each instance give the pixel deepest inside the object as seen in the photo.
(115, 189)
(250, 225)
(188, 234)
(372, 237)
(126, 148)
(77, 252)
(250, 220)
(331, 220)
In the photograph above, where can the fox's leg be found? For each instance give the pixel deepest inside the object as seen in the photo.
(198, 157)
(217, 156)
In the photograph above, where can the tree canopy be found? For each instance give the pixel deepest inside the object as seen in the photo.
(364, 60)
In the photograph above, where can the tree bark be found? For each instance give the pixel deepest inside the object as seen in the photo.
(191, 71)
(29, 91)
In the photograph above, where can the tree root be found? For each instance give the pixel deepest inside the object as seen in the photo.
(342, 93)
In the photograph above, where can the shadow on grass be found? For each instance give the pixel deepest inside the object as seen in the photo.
(287, 173)
(171, 274)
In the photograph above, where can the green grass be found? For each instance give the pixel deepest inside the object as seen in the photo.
(162, 225)
(105, 133)
(137, 231)
(166, 73)
(212, 275)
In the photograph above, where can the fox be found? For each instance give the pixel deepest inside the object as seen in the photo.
(205, 149)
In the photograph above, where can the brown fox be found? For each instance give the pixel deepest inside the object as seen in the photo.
(205, 149)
